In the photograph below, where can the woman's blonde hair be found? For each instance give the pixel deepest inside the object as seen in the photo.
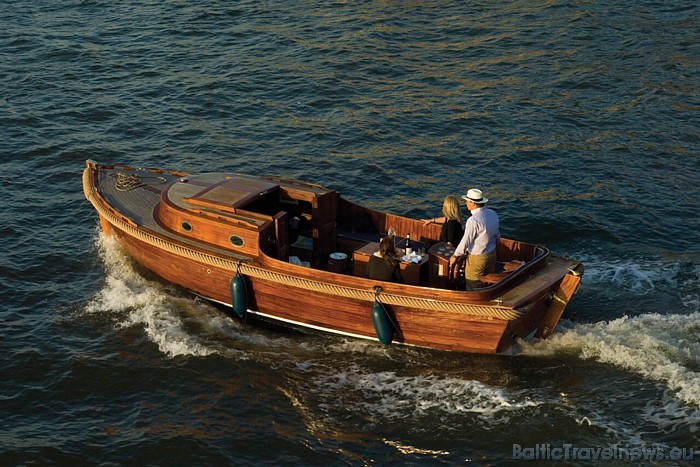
(450, 208)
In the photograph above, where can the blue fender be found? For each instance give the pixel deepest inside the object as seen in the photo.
(382, 324)
(239, 295)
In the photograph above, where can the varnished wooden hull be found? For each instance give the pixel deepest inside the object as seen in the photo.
(319, 299)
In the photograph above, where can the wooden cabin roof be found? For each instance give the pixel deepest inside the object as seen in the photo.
(231, 193)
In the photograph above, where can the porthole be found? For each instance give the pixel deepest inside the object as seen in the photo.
(186, 226)
(236, 241)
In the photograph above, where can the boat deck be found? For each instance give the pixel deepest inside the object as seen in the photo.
(138, 202)
(139, 199)
(539, 283)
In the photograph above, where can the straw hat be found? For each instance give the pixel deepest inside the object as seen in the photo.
(475, 196)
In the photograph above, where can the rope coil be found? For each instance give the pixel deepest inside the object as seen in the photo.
(126, 182)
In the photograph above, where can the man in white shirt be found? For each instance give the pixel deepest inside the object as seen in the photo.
(481, 237)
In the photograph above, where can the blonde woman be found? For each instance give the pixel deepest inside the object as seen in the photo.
(451, 221)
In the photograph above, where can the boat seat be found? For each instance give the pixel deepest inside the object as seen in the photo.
(509, 266)
(494, 277)
(362, 237)
(503, 270)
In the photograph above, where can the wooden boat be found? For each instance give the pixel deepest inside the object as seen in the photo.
(296, 253)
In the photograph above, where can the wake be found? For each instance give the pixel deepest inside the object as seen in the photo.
(662, 346)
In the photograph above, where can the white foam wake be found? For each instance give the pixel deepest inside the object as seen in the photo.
(644, 275)
(641, 276)
(660, 347)
(132, 301)
(664, 348)
(178, 324)
(389, 395)
(426, 395)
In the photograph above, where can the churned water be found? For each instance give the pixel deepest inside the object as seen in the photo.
(579, 120)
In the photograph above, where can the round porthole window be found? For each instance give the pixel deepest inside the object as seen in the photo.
(236, 241)
(186, 226)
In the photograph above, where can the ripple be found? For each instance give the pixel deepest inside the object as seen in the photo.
(578, 120)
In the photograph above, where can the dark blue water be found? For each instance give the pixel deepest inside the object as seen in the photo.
(579, 120)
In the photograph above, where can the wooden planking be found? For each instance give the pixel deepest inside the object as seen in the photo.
(140, 203)
(214, 231)
(539, 283)
(430, 329)
(135, 204)
(511, 250)
(231, 193)
(520, 328)
(450, 330)
(208, 281)
(355, 218)
(567, 288)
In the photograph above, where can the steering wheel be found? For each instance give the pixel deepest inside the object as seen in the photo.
(456, 273)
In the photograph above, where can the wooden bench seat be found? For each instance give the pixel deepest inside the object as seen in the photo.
(503, 270)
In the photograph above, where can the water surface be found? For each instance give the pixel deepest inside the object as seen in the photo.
(579, 120)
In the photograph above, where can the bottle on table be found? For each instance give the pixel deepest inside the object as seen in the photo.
(408, 244)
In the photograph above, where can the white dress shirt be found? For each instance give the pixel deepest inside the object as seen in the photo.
(481, 233)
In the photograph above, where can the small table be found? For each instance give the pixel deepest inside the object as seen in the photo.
(413, 273)
(440, 254)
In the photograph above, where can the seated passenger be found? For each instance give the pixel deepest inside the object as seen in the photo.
(451, 221)
(384, 264)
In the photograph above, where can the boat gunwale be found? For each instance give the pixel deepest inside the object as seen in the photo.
(363, 288)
